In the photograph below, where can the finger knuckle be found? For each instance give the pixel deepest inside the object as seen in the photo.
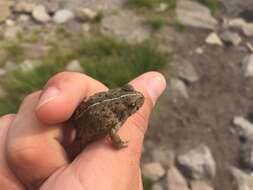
(22, 155)
(31, 96)
(7, 117)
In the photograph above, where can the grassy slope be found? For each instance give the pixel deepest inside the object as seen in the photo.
(107, 60)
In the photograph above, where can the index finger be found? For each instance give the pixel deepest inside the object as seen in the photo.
(63, 93)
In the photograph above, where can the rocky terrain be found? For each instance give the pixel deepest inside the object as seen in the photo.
(201, 132)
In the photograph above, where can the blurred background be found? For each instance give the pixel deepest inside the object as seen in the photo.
(201, 132)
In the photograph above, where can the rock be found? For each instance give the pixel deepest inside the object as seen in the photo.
(175, 180)
(12, 32)
(239, 23)
(178, 88)
(231, 38)
(163, 156)
(250, 46)
(245, 127)
(156, 186)
(248, 29)
(40, 14)
(161, 8)
(23, 18)
(28, 65)
(105, 5)
(74, 66)
(198, 163)
(127, 26)
(235, 23)
(200, 185)
(199, 51)
(153, 171)
(10, 22)
(24, 7)
(53, 5)
(63, 16)
(86, 27)
(241, 179)
(214, 39)
(86, 14)
(247, 66)
(185, 70)
(191, 13)
(27, 6)
(247, 15)
(246, 155)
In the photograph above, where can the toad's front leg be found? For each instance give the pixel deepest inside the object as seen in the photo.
(116, 140)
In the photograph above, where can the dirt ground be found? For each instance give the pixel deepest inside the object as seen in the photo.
(234, 7)
(206, 117)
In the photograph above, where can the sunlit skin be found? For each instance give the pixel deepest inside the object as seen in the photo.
(31, 142)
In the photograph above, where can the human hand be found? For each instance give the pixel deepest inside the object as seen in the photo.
(32, 154)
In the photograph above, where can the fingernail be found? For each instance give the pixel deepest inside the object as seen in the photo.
(155, 88)
(48, 95)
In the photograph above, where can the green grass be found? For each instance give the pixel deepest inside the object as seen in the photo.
(156, 22)
(104, 55)
(31, 37)
(13, 51)
(2, 57)
(115, 12)
(62, 33)
(213, 5)
(177, 25)
(20, 83)
(99, 16)
(1, 36)
(2, 62)
(151, 3)
(110, 61)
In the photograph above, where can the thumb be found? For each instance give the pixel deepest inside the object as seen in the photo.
(151, 85)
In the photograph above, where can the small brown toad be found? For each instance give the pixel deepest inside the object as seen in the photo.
(102, 114)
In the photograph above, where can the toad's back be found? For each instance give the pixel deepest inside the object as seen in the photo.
(102, 113)
(95, 122)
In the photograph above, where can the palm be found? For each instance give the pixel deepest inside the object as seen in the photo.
(98, 167)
